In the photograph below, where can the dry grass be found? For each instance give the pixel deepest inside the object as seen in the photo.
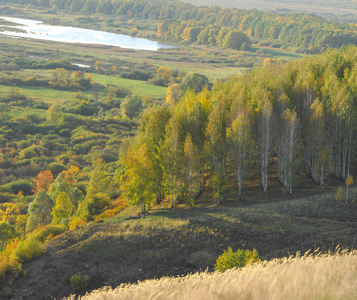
(311, 276)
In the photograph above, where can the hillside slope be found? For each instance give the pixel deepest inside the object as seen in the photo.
(168, 243)
(308, 277)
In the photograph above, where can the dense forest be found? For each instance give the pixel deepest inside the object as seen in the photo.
(300, 114)
(215, 26)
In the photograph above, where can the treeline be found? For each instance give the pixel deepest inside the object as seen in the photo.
(196, 32)
(307, 33)
(61, 79)
(301, 114)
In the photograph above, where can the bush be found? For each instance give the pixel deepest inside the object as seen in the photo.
(49, 232)
(131, 106)
(18, 251)
(123, 91)
(56, 168)
(65, 132)
(240, 258)
(27, 153)
(159, 81)
(97, 203)
(79, 282)
(27, 249)
(136, 75)
(339, 194)
(21, 185)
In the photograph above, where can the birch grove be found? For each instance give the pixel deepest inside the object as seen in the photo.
(301, 116)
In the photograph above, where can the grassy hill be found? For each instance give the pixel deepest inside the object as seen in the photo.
(170, 243)
(308, 277)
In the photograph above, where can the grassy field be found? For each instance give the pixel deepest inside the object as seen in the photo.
(47, 95)
(313, 276)
(279, 54)
(170, 243)
(138, 87)
(52, 96)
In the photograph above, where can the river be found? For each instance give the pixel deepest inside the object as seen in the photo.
(38, 30)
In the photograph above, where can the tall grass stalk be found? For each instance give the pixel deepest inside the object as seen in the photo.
(311, 276)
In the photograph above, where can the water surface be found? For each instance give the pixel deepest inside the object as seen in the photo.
(38, 30)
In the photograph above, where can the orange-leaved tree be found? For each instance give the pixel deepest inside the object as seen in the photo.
(43, 181)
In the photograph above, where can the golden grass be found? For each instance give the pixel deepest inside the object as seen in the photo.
(311, 276)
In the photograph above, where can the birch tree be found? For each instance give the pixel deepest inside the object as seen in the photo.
(289, 132)
(137, 177)
(172, 155)
(216, 145)
(265, 137)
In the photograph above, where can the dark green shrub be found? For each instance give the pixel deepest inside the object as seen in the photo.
(123, 91)
(79, 282)
(97, 203)
(56, 168)
(27, 153)
(131, 106)
(136, 75)
(21, 185)
(23, 162)
(65, 132)
(159, 81)
(240, 258)
(5, 197)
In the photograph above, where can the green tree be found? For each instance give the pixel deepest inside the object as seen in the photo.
(240, 141)
(137, 181)
(63, 209)
(39, 211)
(265, 133)
(7, 233)
(194, 82)
(216, 144)
(172, 157)
(131, 106)
(54, 114)
(236, 40)
(60, 79)
(152, 133)
(191, 167)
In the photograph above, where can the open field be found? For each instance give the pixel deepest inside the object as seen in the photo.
(51, 96)
(47, 95)
(312, 276)
(138, 87)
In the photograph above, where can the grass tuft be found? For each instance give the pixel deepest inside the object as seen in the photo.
(310, 276)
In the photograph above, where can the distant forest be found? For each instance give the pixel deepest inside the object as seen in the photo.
(209, 25)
